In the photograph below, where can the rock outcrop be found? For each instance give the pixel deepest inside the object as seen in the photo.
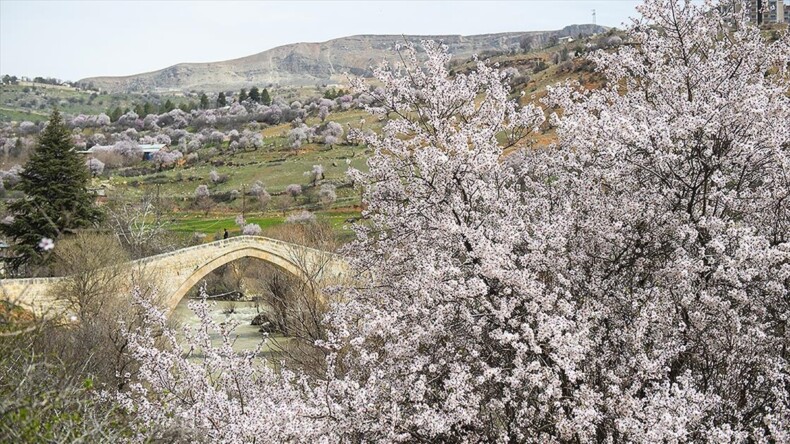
(315, 63)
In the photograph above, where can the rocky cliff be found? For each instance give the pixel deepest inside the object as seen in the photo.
(313, 63)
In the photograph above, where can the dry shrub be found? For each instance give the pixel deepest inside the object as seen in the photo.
(44, 398)
(98, 293)
(111, 159)
(298, 304)
(51, 371)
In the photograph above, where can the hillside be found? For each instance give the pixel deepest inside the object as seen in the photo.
(34, 101)
(274, 161)
(313, 63)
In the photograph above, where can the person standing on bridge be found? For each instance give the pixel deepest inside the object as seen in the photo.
(225, 236)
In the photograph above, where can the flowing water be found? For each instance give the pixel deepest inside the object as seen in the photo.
(247, 336)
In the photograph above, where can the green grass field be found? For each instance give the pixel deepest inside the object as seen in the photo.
(8, 115)
(213, 226)
(276, 164)
(276, 168)
(35, 101)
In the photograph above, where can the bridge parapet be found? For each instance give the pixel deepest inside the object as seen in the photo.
(178, 271)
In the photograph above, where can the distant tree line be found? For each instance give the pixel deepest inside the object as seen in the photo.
(256, 96)
(143, 109)
(9, 79)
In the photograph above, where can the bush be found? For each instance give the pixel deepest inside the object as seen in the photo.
(51, 374)
(327, 195)
(202, 191)
(47, 399)
(217, 178)
(225, 196)
(95, 166)
(136, 171)
(293, 190)
(302, 217)
(539, 66)
(251, 230)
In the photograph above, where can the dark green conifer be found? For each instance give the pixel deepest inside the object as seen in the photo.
(115, 114)
(255, 95)
(266, 99)
(166, 107)
(56, 199)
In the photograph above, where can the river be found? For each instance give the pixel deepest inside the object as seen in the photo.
(247, 336)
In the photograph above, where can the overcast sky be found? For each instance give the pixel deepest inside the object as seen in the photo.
(71, 40)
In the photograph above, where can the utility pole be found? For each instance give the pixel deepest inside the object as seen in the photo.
(157, 209)
(243, 200)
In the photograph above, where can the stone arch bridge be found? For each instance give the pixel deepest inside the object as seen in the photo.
(176, 272)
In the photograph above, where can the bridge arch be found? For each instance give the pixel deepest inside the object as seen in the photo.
(178, 271)
(245, 252)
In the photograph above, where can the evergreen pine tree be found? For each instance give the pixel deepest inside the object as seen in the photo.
(221, 100)
(255, 95)
(166, 107)
(242, 95)
(203, 101)
(116, 114)
(56, 199)
(266, 99)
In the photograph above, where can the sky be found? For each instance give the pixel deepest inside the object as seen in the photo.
(71, 40)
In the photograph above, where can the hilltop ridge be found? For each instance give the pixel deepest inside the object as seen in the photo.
(300, 64)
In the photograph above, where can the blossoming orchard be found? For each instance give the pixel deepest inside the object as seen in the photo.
(628, 282)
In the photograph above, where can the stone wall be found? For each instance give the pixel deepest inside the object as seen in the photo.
(175, 273)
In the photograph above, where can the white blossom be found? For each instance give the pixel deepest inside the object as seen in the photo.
(46, 244)
(251, 230)
(626, 284)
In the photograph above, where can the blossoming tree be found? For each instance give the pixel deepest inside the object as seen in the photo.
(628, 284)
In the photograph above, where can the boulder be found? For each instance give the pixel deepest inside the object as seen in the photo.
(265, 323)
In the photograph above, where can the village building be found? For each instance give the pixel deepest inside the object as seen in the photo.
(764, 12)
(150, 150)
